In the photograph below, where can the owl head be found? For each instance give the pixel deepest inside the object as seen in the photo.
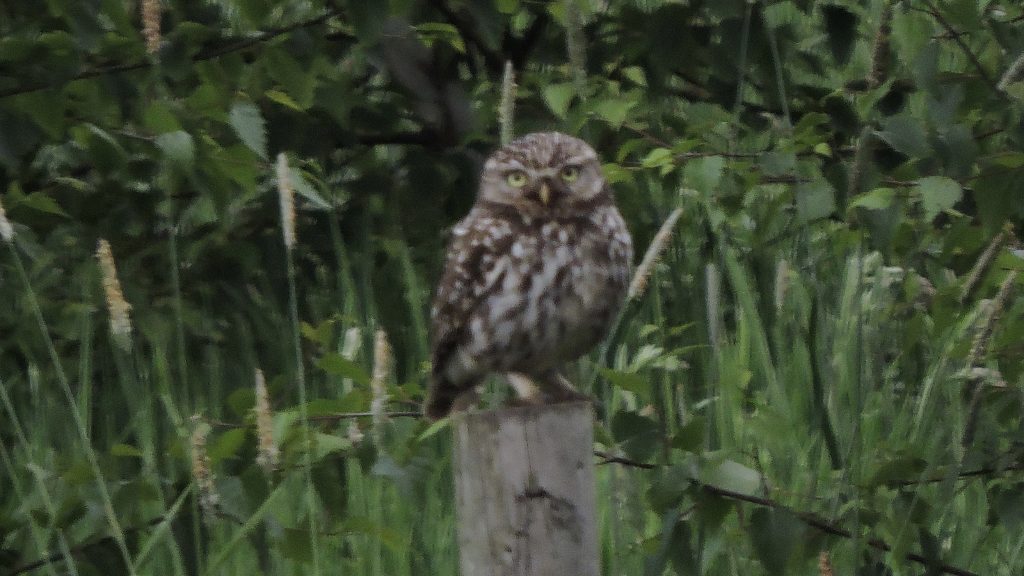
(543, 172)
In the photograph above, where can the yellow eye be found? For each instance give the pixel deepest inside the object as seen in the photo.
(570, 173)
(516, 178)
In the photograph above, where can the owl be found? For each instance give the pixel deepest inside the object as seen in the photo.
(534, 276)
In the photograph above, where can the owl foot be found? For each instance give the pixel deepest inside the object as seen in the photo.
(528, 393)
(525, 402)
(547, 388)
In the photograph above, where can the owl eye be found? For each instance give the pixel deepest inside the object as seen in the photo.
(516, 178)
(570, 173)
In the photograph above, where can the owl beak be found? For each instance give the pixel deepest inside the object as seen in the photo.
(544, 193)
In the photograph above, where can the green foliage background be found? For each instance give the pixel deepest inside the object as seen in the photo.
(826, 366)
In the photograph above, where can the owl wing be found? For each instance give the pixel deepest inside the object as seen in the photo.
(474, 267)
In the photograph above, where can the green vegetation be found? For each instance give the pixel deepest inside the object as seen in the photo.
(826, 368)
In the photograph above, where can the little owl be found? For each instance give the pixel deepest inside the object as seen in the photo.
(534, 275)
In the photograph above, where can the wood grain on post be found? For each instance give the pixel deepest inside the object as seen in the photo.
(524, 489)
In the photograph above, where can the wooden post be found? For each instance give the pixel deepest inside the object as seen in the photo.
(524, 490)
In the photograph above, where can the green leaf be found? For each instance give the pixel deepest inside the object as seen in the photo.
(674, 545)
(303, 188)
(732, 476)
(704, 174)
(248, 123)
(877, 199)
(670, 485)
(283, 99)
(43, 203)
(1008, 505)
(558, 97)
(814, 200)
(433, 429)
(1016, 91)
(778, 163)
(227, 445)
(105, 152)
(782, 13)
(507, 6)
(812, 128)
(236, 163)
(635, 74)
(638, 435)
(657, 157)
(690, 437)
(614, 111)
(906, 135)
(897, 469)
(431, 32)
(1009, 159)
(177, 146)
(712, 510)
(776, 534)
(321, 333)
(326, 444)
(47, 109)
(338, 365)
(626, 380)
(158, 118)
(292, 76)
(938, 194)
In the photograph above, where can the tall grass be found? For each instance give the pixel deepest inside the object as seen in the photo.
(803, 382)
(802, 361)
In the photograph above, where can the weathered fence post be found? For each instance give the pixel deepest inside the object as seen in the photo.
(524, 490)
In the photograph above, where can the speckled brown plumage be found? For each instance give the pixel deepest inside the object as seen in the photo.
(534, 276)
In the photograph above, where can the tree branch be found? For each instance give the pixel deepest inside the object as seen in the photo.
(809, 518)
(59, 556)
(963, 45)
(231, 46)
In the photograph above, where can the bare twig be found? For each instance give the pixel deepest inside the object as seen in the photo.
(983, 263)
(607, 458)
(963, 45)
(326, 418)
(1013, 73)
(979, 348)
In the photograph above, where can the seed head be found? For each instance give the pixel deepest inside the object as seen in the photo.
(658, 245)
(151, 25)
(378, 384)
(268, 453)
(6, 230)
(120, 323)
(201, 472)
(286, 195)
